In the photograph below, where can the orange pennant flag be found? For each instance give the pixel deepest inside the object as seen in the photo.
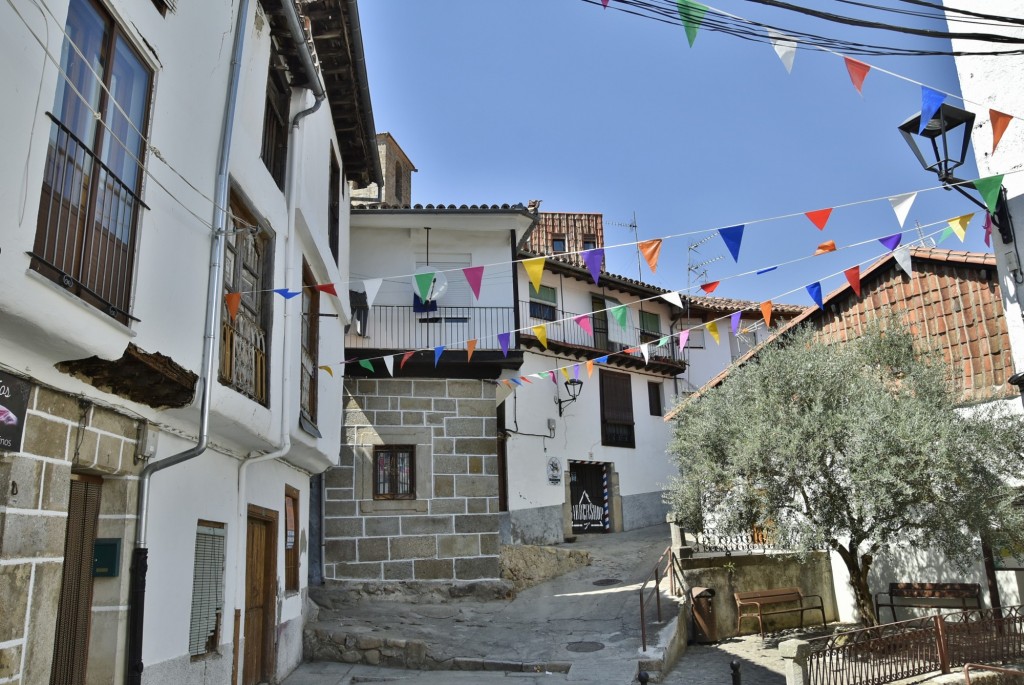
(766, 312)
(405, 358)
(853, 277)
(819, 217)
(590, 368)
(470, 347)
(524, 379)
(827, 246)
(232, 300)
(710, 287)
(651, 250)
(999, 123)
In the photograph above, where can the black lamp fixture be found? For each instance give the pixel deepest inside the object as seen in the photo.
(573, 387)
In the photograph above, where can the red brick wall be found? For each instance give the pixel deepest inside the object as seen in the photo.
(572, 226)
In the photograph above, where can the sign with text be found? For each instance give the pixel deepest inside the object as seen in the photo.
(14, 394)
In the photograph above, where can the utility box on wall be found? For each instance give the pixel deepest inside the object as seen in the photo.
(106, 558)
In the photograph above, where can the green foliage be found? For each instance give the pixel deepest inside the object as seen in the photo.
(859, 441)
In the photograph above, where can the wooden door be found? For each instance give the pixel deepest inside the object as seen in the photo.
(587, 490)
(260, 566)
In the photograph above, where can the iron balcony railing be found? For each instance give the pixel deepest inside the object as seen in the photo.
(85, 239)
(243, 356)
(390, 327)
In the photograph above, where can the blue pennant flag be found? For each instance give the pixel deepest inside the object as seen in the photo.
(287, 294)
(764, 271)
(732, 237)
(437, 354)
(814, 290)
(931, 100)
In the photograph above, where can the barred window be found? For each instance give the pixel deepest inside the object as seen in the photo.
(394, 466)
(616, 410)
(207, 588)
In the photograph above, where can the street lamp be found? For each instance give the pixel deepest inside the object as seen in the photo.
(573, 387)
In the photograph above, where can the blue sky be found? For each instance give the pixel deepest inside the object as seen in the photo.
(595, 110)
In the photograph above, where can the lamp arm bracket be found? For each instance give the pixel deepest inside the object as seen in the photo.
(957, 187)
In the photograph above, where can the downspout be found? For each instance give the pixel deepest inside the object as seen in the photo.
(140, 554)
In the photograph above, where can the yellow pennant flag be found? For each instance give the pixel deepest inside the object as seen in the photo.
(534, 269)
(328, 369)
(590, 368)
(542, 334)
(565, 372)
(766, 312)
(712, 327)
(470, 347)
(959, 225)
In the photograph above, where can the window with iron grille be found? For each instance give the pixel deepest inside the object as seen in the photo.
(291, 539)
(334, 207)
(245, 339)
(616, 410)
(207, 589)
(394, 472)
(90, 201)
(310, 344)
(275, 117)
(654, 398)
(544, 303)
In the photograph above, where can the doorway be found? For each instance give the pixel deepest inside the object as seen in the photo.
(260, 595)
(588, 492)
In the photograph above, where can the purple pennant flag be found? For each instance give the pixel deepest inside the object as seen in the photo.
(437, 354)
(891, 242)
(576, 371)
(593, 259)
(931, 100)
(287, 294)
(732, 237)
(736, 322)
(814, 290)
(503, 339)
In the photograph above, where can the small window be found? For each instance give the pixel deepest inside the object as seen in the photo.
(654, 398)
(558, 244)
(334, 207)
(394, 466)
(616, 410)
(650, 322)
(589, 242)
(544, 303)
(695, 341)
(291, 539)
(275, 117)
(207, 589)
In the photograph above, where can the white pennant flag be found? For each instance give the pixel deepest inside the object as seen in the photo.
(902, 255)
(646, 352)
(389, 362)
(673, 298)
(901, 205)
(785, 48)
(372, 288)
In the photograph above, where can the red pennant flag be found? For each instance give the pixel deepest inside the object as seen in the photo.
(710, 287)
(327, 288)
(858, 72)
(232, 300)
(999, 123)
(766, 312)
(853, 276)
(651, 249)
(405, 358)
(820, 217)
(827, 246)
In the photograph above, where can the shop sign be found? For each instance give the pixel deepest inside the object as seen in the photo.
(14, 394)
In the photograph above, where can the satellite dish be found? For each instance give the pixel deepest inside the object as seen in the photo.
(438, 285)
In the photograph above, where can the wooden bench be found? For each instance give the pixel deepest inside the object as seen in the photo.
(928, 596)
(758, 599)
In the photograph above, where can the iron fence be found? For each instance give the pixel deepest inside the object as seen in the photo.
(392, 327)
(711, 541)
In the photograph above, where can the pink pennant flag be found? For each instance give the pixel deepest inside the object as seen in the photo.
(553, 379)
(988, 230)
(819, 217)
(583, 320)
(683, 336)
(604, 3)
(474, 275)
(858, 72)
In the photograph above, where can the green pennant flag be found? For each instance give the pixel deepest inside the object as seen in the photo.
(692, 14)
(366, 364)
(989, 189)
(620, 314)
(945, 233)
(423, 284)
(663, 341)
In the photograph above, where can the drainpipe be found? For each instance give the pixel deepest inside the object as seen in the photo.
(140, 554)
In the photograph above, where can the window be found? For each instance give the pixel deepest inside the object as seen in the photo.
(334, 207)
(654, 398)
(275, 117)
(558, 244)
(310, 344)
(207, 588)
(90, 200)
(616, 410)
(398, 183)
(394, 466)
(650, 326)
(695, 340)
(589, 242)
(244, 339)
(544, 303)
(291, 539)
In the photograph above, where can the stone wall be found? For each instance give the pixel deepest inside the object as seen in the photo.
(450, 531)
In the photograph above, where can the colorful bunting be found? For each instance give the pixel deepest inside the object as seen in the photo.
(470, 349)
(541, 332)
(366, 364)
(692, 14)
(946, 232)
(853, 278)
(287, 294)
(662, 341)
(438, 351)
(327, 288)
(516, 381)
(858, 72)
(785, 48)
(604, 3)
(990, 188)
(503, 340)
(551, 375)
(619, 313)
(329, 370)
(389, 364)
(590, 368)
(683, 337)
(764, 271)
(424, 284)
(576, 371)
(709, 287)
(565, 372)
(931, 100)
(233, 300)
(735, 320)
(999, 123)
(732, 237)
(405, 358)
(602, 360)
(673, 298)
(651, 249)
(474, 276)
(827, 246)
(814, 290)
(712, 327)
(583, 321)
(902, 255)
(891, 242)
(901, 205)
(766, 312)
(593, 259)
(819, 217)
(534, 269)
(645, 350)
(959, 225)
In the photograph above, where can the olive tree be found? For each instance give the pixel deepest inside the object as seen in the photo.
(852, 446)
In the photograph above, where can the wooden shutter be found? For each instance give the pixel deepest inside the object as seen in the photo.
(616, 398)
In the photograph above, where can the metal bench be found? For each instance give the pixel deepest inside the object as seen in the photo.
(758, 599)
(929, 596)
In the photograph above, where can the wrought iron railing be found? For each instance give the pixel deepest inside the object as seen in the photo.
(85, 238)
(308, 386)
(985, 636)
(711, 541)
(667, 565)
(390, 327)
(243, 356)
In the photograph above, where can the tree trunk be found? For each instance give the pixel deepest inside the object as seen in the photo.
(858, 566)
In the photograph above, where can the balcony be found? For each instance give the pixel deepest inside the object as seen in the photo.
(387, 327)
(243, 356)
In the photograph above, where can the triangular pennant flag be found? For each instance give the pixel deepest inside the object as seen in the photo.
(959, 225)
(662, 341)
(853, 278)
(366, 364)
(931, 100)
(372, 287)
(534, 269)
(712, 327)
(858, 71)
(474, 275)
(764, 271)
(692, 14)
(438, 351)
(673, 298)
(503, 340)
(645, 350)
(819, 217)
(709, 287)
(766, 312)
(732, 237)
(516, 381)
(620, 313)
(901, 205)
(990, 188)
(827, 246)
(424, 284)
(524, 379)
(593, 259)
(327, 288)
(604, 3)
(946, 232)
(541, 332)
(814, 290)
(329, 370)
(651, 250)
(631, 350)
(583, 320)
(999, 123)
(988, 230)
(902, 255)
(233, 300)
(470, 349)
(683, 337)
(287, 294)
(405, 358)
(602, 360)
(565, 372)
(785, 48)
(590, 368)
(551, 375)
(891, 242)
(576, 371)
(735, 321)
(389, 364)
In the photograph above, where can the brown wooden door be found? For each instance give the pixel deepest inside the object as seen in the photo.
(259, 600)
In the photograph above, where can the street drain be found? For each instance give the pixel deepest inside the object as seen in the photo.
(607, 581)
(584, 646)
